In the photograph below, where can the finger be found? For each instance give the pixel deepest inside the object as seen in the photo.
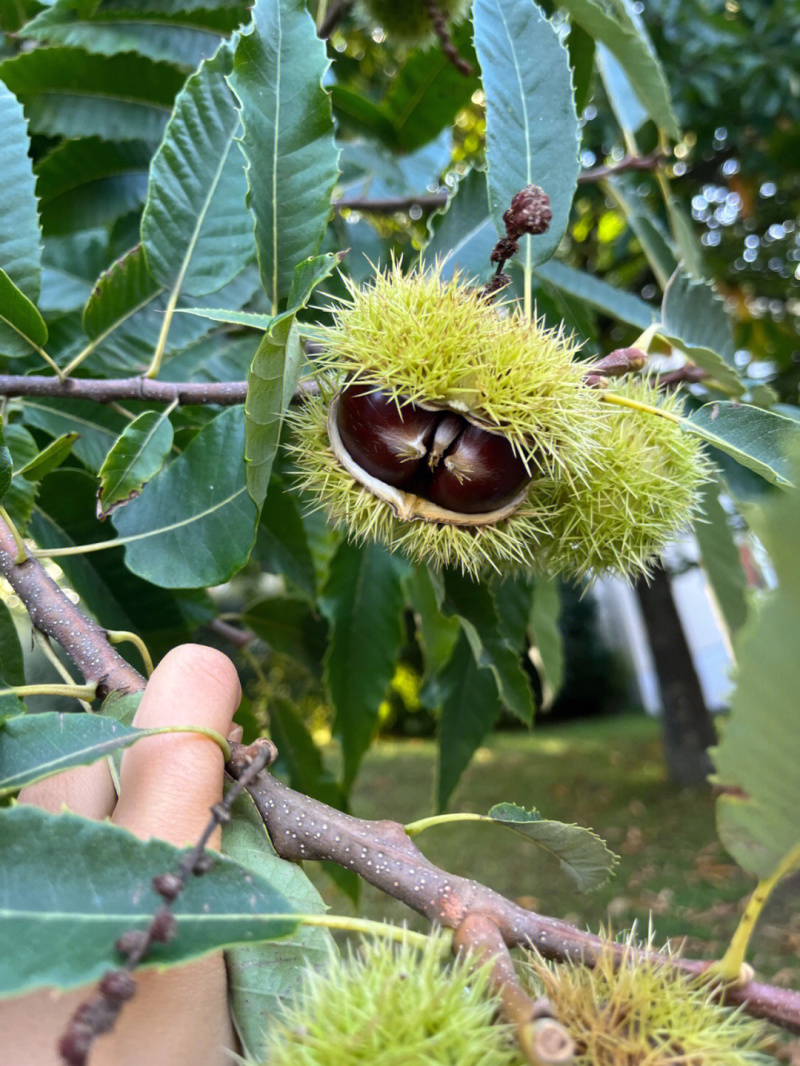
(168, 783)
(86, 790)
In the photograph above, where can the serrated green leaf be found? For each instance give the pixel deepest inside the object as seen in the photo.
(547, 637)
(135, 458)
(685, 238)
(288, 138)
(289, 625)
(261, 978)
(231, 318)
(358, 114)
(172, 36)
(22, 317)
(612, 24)
(122, 290)
(273, 376)
(363, 601)
(469, 710)
(531, 126)
(194, 524)
(196, 230)
(35, 746)
(580, 852)
(720, 558)
(20, 240)
(476, 610)
(752, 436)
(270, 387)
(125, 315)
(68, 93)
(97, 426)
(428, 91)
(693, 317)
(758, 756)
(625, 104)
(581, 49)
(623, 306)
(49, 458)
(91, 182)
(64, 904)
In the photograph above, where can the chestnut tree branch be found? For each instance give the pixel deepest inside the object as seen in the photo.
(53, 613)
(107, 390)
(381, 852)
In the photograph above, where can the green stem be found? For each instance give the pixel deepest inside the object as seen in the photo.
(201, 730)
(442, 819)
(623, 401)
(729, 967)
(22, 551)
(119, 636)
(78, 692)
(169, 312)
(398, 933)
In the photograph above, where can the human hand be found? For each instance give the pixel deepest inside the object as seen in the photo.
(167, 784)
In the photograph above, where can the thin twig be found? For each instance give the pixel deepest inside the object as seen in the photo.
(431, 201)
(107, 390)
(332, 18)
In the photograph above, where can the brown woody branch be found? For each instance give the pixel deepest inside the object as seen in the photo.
(103, 390)
(380, 852)
(55, 614)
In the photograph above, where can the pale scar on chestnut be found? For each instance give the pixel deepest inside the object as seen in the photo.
(435, 455)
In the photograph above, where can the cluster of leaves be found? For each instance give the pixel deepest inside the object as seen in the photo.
(169, 170)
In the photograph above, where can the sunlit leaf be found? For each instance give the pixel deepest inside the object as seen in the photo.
(752, 436)
(49, 458)
(531, 126)
(288, 138)
(580, 852)
(196, 230)
(758, 756)
(612, 24)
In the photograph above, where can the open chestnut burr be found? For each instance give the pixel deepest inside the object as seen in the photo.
(426, 462)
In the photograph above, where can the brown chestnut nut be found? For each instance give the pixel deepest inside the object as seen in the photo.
(480, 473)
(389, 442)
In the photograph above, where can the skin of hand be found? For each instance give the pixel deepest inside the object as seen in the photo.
(167, 785)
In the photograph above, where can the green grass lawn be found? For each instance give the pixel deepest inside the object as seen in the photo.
(606, 774)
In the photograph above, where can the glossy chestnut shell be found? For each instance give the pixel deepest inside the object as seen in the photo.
(446, 468)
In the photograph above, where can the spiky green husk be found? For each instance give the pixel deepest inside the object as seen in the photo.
(635, 1013)
(390, 1004)
(432, 341)
(407, 22)
(612, 484)
(642, 488)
